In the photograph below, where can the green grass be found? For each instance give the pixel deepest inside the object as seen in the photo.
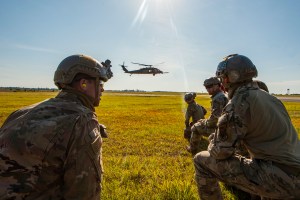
(10, 101)
(144, 156)
(294, 112)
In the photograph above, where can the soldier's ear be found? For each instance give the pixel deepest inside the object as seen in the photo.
(225, 80)
(83, 84)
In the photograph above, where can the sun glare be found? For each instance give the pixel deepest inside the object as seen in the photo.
(163, 13)
(141, 14)
(153, 8)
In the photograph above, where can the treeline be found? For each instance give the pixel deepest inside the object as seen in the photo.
(24, 89)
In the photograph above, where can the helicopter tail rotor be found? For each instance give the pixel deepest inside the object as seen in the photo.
(124, 67)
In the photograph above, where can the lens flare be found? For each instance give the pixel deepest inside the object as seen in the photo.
(141, 14)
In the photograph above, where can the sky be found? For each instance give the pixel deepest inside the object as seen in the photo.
(190, 37)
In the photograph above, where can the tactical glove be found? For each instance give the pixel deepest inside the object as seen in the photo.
(103, 131)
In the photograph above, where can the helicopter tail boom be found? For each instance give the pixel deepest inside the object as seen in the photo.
(124, 68)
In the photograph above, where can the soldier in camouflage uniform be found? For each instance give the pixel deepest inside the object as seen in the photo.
(194, 111)
(261, 121)
(52, 150)
(205, 127)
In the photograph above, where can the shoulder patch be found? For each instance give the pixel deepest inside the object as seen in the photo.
(92, 136)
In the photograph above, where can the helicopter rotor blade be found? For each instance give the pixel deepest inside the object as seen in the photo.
(147, 65)
(136, 63)
(141, 64)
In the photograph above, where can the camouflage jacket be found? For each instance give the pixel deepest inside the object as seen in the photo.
(51, 150)
(261, 121)
(194, 111)
(218, 102)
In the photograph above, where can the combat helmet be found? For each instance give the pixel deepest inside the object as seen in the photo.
(188, 97)
(237, 68)
(75, 64)
(211, 81)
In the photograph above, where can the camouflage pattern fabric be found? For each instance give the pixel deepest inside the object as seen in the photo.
(205, 127)
(195, 143)
(218, 102)
(262, 123)
(194, 111)
(51, 150)
(251, 175)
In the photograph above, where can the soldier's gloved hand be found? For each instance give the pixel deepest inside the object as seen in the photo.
(218, 153)
(103, 131)
(191, 124)
(187, 133)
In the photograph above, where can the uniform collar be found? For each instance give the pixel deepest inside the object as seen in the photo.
(239, 87)
(74, 95)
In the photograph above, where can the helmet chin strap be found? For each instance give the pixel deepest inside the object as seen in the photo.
(97, 100)
(222, 88)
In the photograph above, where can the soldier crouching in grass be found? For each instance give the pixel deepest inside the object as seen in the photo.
(204, 127)
(261, 121)
(52, 150)
(195, 112)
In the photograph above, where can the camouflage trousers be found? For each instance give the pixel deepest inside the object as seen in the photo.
(196, 141)
(259, 177)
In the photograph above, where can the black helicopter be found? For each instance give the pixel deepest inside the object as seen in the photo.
(148, 69)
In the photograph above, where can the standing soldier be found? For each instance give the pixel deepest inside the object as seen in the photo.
(52, 150)
(194, 111)
(207, 126)
(261, 121)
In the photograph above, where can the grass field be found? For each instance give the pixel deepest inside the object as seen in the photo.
(144, 156)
